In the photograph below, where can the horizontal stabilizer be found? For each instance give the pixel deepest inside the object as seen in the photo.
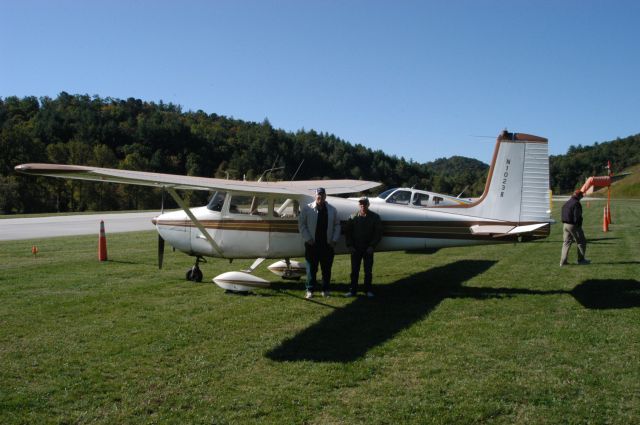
(503, 230)
(491, 229)
(526, 229)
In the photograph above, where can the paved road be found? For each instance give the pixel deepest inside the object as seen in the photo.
(67, 225)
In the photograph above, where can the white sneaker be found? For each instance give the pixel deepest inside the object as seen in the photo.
(370, 294)
(308, 295)
(326, 294)
(349, 294)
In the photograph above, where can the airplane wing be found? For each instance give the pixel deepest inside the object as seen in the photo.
(143, 178)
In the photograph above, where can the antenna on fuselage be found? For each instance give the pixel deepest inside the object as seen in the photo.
(463, 191)
(296, 173)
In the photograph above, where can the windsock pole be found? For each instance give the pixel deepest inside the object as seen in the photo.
(102, 244)
(609, 205)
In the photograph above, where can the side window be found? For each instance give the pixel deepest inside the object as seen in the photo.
(420, 199)
(286, 208)
(217, 201)
(400, 197)
(437, 200)
(250, 205)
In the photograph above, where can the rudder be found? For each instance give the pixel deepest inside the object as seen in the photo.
(517, 188)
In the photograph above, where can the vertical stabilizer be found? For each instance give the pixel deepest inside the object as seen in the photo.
(517, 188)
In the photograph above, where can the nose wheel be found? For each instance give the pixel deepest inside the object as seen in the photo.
(194, 274)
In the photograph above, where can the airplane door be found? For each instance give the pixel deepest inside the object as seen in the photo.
(245, 228)
(284, 238)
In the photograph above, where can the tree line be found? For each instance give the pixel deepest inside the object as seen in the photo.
(569, 171)
(159, 137)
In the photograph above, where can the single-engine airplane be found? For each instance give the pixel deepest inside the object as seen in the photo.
(247, 219)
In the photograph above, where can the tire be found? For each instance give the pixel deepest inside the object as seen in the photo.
(194, 275)
(197, 275)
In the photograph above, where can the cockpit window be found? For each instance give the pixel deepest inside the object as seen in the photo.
(386, 193)
(420, 199)
(400, 197)
(286, 208)
(246, 204)
(217, 201)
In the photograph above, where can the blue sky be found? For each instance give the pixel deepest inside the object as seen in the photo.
(418, 79)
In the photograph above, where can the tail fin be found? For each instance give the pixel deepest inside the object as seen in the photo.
(517, 188)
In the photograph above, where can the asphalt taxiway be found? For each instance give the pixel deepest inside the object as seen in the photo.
(68, 225)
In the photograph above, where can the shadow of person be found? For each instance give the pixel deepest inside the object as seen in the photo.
(346, 334)
(608, 293)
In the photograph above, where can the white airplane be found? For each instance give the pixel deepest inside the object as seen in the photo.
(418, 198)
(247, 219)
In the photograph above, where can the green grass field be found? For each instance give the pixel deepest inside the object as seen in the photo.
(496, 334)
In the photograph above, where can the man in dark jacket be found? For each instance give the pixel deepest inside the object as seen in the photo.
(363, 232)
(572, 229)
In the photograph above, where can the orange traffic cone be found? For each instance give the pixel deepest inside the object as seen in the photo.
(608, 213)
(34, 251)
(605, 223)
(102, 244)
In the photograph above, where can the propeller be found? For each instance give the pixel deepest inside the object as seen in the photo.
(160, 240)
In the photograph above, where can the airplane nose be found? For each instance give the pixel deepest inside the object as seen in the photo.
(154, 220)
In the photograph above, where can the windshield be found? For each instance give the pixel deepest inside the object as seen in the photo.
(386, 193)
(216, 202)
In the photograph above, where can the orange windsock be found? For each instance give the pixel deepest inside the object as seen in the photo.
(102, 244)
(605, 223)
(595, 181)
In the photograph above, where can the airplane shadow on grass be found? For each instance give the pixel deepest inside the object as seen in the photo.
(602, 294)
(346, 334)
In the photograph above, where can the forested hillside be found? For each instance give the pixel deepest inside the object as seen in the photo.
(570, 171)
(137, 135)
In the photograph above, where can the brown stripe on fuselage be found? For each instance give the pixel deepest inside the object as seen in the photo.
(405, 229)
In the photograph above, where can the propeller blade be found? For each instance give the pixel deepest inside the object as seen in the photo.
(160, 251)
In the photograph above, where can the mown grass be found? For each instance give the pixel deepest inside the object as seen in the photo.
(495, 334)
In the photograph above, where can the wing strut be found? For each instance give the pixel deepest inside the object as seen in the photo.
(194, 220)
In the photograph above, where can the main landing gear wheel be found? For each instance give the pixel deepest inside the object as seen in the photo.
(194, 274)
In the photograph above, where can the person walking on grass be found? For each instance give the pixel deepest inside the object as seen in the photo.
(572, 229)
(363, 232)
